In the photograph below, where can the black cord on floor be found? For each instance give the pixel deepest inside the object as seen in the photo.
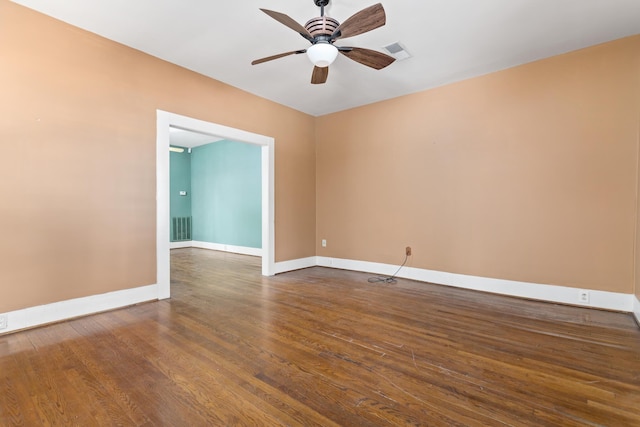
(388, 279)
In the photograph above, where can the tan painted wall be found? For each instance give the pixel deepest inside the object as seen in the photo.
(637, 247)
(77, 136)
(527, 174)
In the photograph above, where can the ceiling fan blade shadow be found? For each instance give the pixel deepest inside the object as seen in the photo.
(289, 22)
(361, 22)
(319, 75)
(368, 57)
(280, 55)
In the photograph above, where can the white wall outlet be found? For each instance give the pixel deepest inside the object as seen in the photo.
(183, 193)
(583, 296)
(324, 243)
(4, 321)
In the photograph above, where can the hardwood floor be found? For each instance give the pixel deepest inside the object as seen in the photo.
(322, 347)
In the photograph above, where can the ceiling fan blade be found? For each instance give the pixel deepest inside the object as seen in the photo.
(319, 75)
(280, 55)
(289, 22)
(366, 20)
(368, 57)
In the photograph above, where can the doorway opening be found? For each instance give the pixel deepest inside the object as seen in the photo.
(164, 122)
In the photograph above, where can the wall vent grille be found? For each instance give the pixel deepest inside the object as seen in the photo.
(181, 229)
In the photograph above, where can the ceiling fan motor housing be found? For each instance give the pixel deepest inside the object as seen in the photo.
(321, 26)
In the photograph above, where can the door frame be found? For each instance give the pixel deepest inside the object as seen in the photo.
(165, 120)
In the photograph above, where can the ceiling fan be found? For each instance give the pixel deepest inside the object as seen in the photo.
(323, 31)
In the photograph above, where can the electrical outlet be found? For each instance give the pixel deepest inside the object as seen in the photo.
(324, 243)
(408, 251)
(583, 296)
(4, 321)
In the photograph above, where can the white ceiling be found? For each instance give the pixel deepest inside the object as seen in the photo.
(449, 40)
(190, 139)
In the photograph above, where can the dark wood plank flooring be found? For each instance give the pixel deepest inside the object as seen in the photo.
(322, 347)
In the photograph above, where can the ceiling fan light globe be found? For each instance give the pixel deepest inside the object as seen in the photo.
(322, 54)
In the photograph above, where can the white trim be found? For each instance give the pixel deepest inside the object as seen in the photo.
(268, 208)
(163, 261)
(549, 293)
(296, 264)
(69, 309)
(181, 245)
(64, 310)
(164, 121)
(244, 250)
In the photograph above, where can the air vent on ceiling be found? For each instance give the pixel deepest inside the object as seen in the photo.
(397, 51)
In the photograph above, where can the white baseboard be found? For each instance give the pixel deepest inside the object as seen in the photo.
(243, 250)
(295, 264)
(63, 310)
(69, 309)
(227, 248)
(549, 293)
(180, 245)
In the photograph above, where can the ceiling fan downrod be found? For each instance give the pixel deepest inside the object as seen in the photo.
(321, 4)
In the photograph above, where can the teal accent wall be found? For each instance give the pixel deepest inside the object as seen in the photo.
(226, 198)
(179, 180)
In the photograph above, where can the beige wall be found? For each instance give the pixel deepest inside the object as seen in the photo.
(528, 174)
(637, 247)
(77, 136)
